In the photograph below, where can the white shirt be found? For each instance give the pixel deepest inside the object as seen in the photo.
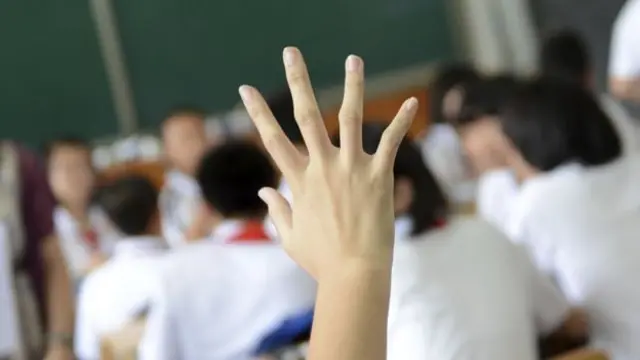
(624, 59)
(178, 205)
(582, 226)
(627, 127)
(116, 293)
(441, 150)
(467, 293)
(497, 190)
(216, 301)
(76, 251)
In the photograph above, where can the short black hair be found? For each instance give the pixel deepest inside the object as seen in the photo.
(447, 78)
(565, 55)
(485, 97)
(131, 203)
(553, 122)
(66, 141)
(230, 176)
(429, 207)
(281, 105)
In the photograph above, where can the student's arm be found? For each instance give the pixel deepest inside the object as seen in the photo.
(347, 306)
(624, 64)
(341, 227)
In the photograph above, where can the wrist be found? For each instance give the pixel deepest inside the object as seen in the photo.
(60, 341)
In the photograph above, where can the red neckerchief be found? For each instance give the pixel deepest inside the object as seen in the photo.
(91, 239)
(251, 232)
(439, 223)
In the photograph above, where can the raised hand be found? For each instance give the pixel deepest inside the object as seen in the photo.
(342, 210)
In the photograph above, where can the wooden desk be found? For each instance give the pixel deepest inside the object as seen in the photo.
(123, 344)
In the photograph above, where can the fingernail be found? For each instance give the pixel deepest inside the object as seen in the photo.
(289, 56)
(262, 195)
(245, 92)
(411, 103)
(353, 63)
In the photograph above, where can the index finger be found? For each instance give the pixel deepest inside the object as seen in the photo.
(305, 106)
(287, 158)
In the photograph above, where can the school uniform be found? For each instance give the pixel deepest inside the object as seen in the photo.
(217, 299)
(116, 293)
(464, 291)
(628, 128)
(442, 152)
(497, 190)
(78, 246)
(581, 226)
(624, 59)
(179, 200)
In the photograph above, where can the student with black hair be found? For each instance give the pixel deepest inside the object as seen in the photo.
(565, 56)
(220, 297)
(86, 235)
(119, 291)
(577, 207)
(440, 144)
(184, 141)
(454, 278)
(485, 146)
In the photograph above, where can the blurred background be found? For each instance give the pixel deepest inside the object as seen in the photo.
(104, 69)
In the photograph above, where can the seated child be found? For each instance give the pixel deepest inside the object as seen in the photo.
(118, 292)
(460, 289)
(184, 140)
(86, 236)
(219, 298)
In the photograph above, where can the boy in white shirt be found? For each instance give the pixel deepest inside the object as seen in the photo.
(185, 140)
(624, 62)
(85, 234)
(566, 56)
(216, 300)
(119, 291)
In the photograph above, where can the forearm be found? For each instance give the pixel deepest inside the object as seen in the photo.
(60, 301)
(350, 319)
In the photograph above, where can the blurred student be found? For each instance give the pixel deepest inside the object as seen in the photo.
(185, 140)
(566, 56)
(455, 278)
(486, 147)
(119, 291)
(440, 144)
(85, 234)
(624, 61)
(577, 210)
(219, 298)
(35, 288)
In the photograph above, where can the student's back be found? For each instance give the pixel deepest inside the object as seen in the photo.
(227, 298)
(218, 299)
(466, 292)
(582, 225)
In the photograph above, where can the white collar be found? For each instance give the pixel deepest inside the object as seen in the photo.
(226, 230)
(138, 245)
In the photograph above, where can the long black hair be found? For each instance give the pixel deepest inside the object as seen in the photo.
(429, 206)
(552, 122)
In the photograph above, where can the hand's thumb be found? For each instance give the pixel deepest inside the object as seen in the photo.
(279, 211)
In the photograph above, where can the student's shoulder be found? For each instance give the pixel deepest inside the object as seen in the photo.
(628, 14)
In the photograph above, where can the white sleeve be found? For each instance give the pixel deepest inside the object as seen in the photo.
(624, 60)
(86, 340)
(159, 341)
(172, 230)
(550, 307)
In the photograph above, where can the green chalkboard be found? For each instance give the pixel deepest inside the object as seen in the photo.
(52, 80)
(199, 51)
